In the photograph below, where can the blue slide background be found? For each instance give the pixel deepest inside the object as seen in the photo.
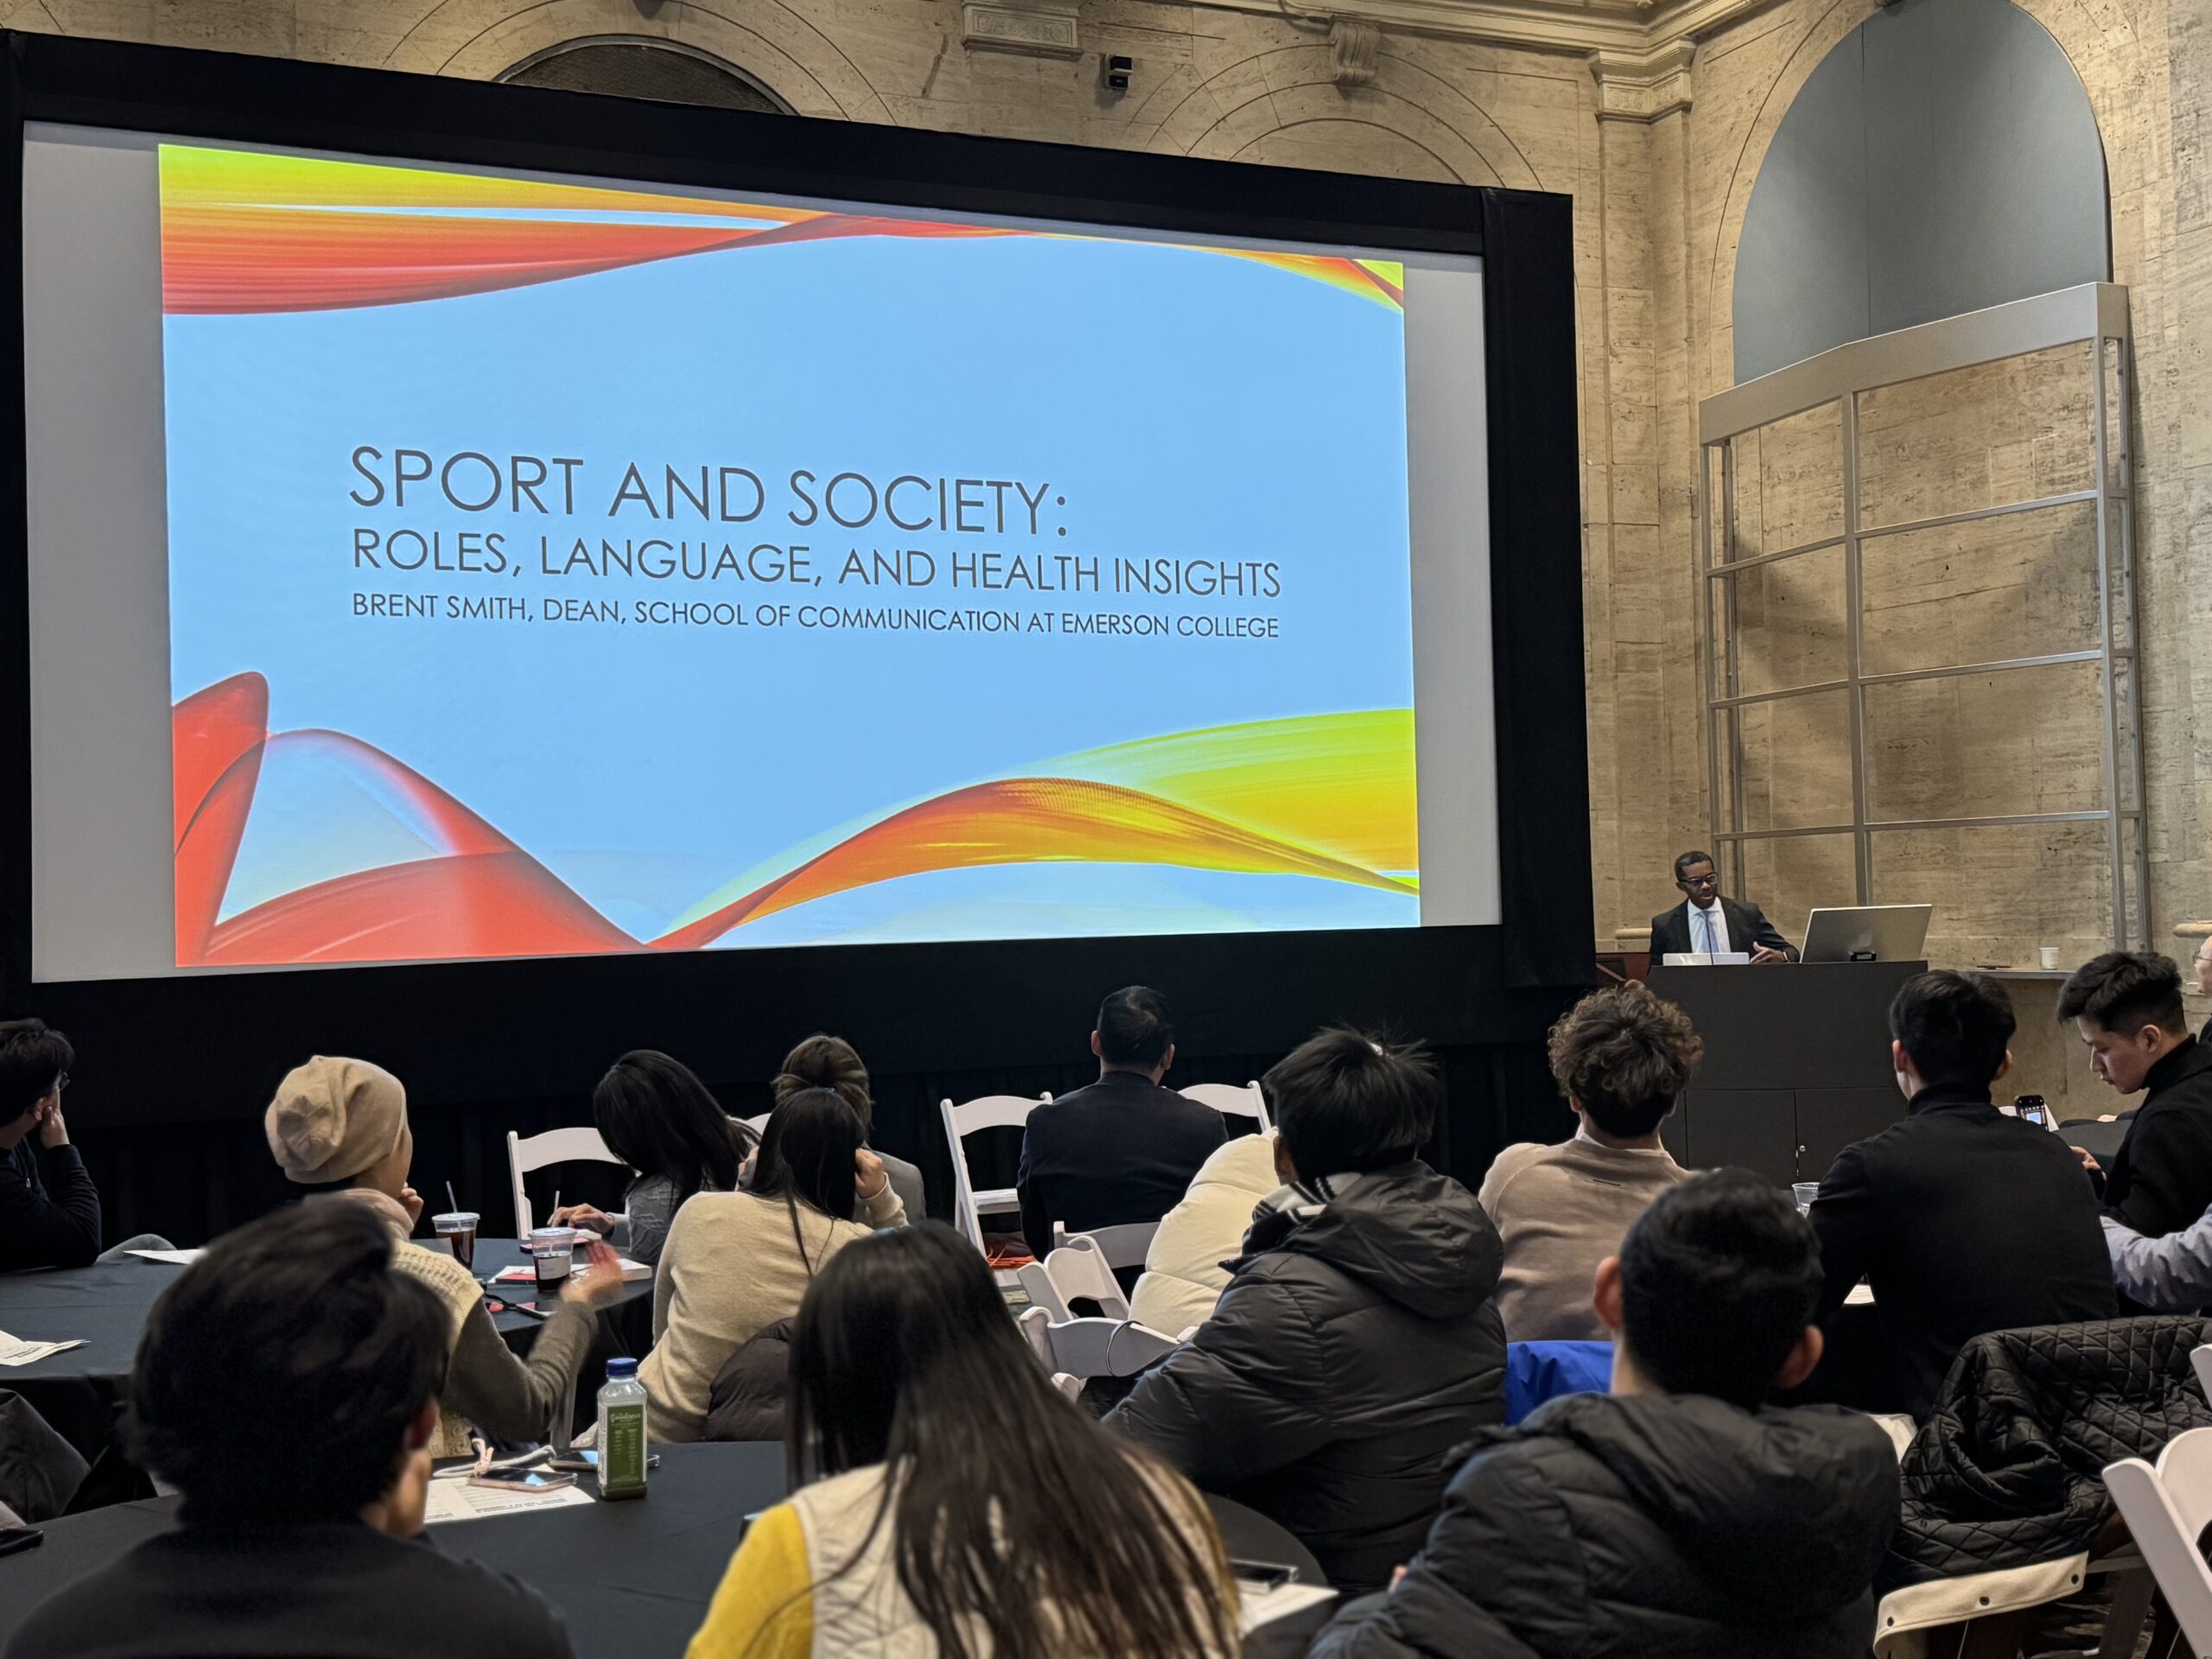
(1186, 404)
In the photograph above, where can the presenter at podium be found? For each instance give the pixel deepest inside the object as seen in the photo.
(1706, 923)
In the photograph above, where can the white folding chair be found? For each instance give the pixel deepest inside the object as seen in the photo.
(2166, 1509)
(1082, 1268)
(1071, 1386)
(758, 1125)
(554, 1146)
(969, 1206)
(1231, 1101)
(1038, 1286)
(1099, 1347)
(2200, 1359)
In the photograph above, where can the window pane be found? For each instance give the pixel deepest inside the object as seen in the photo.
(2023, 585)
(2003, 891)
(2018, 429)
(1979, 745)
(1788, 484)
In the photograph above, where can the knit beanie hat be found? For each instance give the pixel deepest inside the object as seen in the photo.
(334, 1118)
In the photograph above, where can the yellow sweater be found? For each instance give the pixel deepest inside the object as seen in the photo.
(810, 1579)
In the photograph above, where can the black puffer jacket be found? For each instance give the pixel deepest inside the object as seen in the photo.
(2009, 1468)
(1661, 1526)
(1340, 1368)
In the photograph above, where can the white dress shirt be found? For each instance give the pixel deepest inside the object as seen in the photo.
(1717, 919)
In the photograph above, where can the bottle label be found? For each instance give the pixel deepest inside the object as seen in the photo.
(622, 1451)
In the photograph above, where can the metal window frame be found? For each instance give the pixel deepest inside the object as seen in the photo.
(2093, 315)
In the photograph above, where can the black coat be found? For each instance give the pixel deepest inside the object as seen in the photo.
(2009, 1468)
(1120, 1150)
(49, 1209)
(752, 1392)
(1338, 1372)
(2161, 1180)
(1963, 1220)
(1661, 1526)
(1748, 929)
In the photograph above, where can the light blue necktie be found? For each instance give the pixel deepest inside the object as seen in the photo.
(1704, 925)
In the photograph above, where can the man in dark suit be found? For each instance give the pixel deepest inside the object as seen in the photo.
(1705, 921)
(2126, 1005)
(1122, 1149)
(1963, 1220)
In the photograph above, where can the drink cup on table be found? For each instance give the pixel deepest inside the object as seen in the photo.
(457, 1228)
(552, 1253)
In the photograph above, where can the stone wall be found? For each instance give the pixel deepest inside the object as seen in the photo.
(1659, 149)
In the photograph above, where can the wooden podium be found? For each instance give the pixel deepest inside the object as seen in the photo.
(1796, 1063)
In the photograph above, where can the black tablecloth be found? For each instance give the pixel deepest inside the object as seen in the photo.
(632, 1579)
(106, 1305)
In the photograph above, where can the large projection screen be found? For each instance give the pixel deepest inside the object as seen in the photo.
(433, 563)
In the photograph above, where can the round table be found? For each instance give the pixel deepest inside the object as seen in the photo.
(105, 1305)
(630, 1578)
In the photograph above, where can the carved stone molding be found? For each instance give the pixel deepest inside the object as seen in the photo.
(1038, 31)
(1636, 28)
(1354, 46)
(1643, 86)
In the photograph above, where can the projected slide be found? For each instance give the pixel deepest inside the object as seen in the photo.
(559, 569)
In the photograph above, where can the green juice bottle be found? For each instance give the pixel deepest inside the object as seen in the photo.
(622, 1431)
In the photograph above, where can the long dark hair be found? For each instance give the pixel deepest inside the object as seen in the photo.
(657, 1116)
(825, 1062)
(807, 1156)
(904, 1355)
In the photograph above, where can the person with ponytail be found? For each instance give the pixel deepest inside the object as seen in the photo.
(948, 1502)
(737, 1261)
(825, 1062)
(657, 1116)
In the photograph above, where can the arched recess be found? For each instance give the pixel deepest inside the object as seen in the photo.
(2083, 33)
(1280, 104)
(626, 66)
(775, 44)
(1941, 159)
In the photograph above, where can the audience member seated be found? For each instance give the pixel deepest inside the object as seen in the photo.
(287, 1385)
(826, 1062)
(1622, 1057)
(948, 1500)
(657, 1116)
(2168, 1274)
(1674, 1518)
(339, 1128)
(49, 1209)
(2128, 1006)
(1188, 1263)
(738, 1261)
(1121, 1150)
(1963, 1220)
(1357, 1341)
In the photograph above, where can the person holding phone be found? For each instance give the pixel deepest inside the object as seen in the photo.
(287, 1386)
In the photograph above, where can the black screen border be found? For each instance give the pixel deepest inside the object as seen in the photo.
(188, 1047)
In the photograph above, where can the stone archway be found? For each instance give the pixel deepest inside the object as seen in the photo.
(774, 44)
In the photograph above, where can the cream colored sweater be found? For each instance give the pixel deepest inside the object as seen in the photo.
(731, 1265)
(1561, 1210)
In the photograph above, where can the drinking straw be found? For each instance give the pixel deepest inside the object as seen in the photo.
(449, 1196)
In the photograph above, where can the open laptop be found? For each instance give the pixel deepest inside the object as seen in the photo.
(1868, 933)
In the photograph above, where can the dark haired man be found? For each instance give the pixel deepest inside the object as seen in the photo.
(287, 1386)
(1357, 1342)
(1673, 1518)
(2128, 1006)
(1622, 1057)
(1963, 1220)
(1122, 1149)
(49, 1209)
(1706, 922)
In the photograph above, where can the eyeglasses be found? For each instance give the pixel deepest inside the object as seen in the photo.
(60, 1083)
(1712, 881)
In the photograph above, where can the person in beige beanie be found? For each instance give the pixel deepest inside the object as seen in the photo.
(339, 1127)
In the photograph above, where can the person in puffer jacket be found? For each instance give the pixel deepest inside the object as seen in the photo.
(1357, 1342)
(1672, 1518)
